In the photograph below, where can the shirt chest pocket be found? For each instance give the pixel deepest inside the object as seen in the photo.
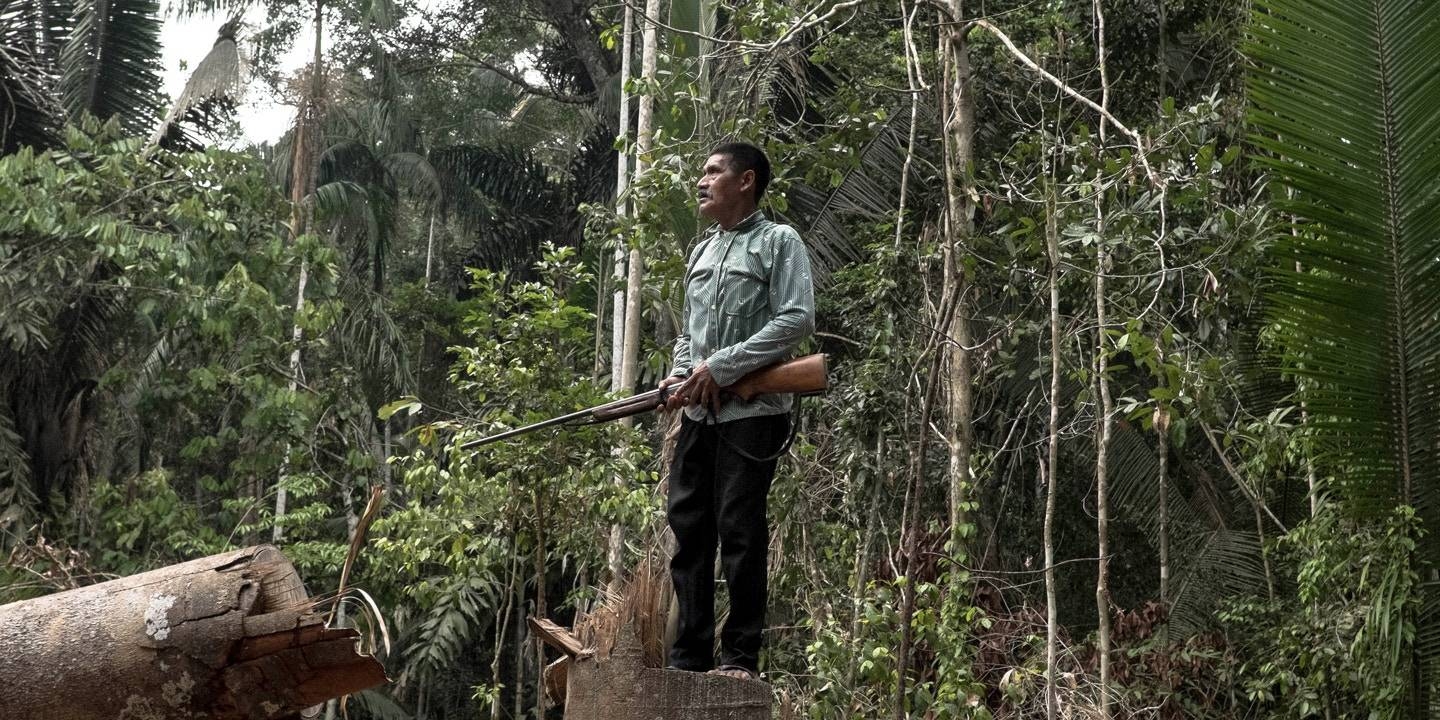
(745, 289)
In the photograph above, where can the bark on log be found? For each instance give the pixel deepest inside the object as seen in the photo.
(623, 688)
(227, 637)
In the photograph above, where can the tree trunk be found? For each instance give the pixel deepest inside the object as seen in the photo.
(623, 688)
(644, 141)
(1052, 460)
(622, 205)
(1103, 412)
(304, 168)
(430, 251)
(541, 602)
(960, 131)
(1162, 431)
(228, 636)
(1102, 474)
(1106, 407)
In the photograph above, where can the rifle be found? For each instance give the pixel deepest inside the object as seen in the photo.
(803, 376)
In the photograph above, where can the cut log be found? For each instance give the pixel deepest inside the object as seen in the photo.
(556, 636)
(623, 688)
(227, 637)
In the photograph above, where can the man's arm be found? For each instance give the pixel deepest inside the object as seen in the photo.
(680, 363)
(680, 357)
(792, 296)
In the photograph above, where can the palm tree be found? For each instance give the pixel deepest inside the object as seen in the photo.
(1352, 135)
(62, 60)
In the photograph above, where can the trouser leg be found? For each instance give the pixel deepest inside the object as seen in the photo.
(741, 490)
(691, 514)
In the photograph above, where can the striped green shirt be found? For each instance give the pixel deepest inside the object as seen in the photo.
(748, 303)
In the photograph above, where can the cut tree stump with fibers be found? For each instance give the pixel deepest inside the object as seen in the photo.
(227, 637)
(623, 688)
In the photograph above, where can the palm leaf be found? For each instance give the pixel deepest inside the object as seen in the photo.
(51, 21)
(17, 497)
(506, 199)
(870, 190)
(28, 115)
(1222, 563)
(414, 173)
(110, 66)
(372, 343)
(217, 77)
(1353, 133)
(379, 706)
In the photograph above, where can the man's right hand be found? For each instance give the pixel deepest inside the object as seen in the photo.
(676, 399)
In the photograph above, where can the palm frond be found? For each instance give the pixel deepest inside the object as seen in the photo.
(17, 497)
(110, 64)
(217, 77)
(337, 197)
(462, 608)
(373, 343)
(414, 173)
(28, 114)
(870, 190)
(376, 704)
(362, 214)
(51, 21)
(505, 198)
(1356, 136)
(1353, 133)
(1220, 564)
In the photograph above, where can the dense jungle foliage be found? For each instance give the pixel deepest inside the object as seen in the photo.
(1132, 313)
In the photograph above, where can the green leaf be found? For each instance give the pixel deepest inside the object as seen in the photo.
(411, 405)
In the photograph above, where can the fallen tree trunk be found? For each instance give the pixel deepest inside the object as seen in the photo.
(227, 637)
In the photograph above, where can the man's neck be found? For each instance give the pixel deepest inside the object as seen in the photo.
(733, 219)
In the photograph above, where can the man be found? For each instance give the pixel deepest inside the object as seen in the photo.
(748, 304)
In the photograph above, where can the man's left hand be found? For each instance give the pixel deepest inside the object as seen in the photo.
(701, 389)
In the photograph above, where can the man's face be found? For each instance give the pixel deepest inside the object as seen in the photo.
(722, 190)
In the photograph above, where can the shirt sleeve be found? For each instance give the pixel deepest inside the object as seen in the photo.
(792, 302)
(680, 362)
(680, 358)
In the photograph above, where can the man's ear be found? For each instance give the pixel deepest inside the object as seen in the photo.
(747, 180)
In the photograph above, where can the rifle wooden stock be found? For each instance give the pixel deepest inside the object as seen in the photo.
(804, 376)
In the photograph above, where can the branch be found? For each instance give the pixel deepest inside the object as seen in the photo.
(1072, 92)
(514, 77)
(804, 23)
(1235, 475)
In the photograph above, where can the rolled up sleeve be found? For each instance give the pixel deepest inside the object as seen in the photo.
(792, 306)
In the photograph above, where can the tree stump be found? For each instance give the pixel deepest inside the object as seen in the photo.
(622, 688)
(227, 637)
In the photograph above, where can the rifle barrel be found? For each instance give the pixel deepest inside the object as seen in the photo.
(522, 430)
(624, 407)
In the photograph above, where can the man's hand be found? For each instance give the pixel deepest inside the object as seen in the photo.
(699, 389)
(675, 399)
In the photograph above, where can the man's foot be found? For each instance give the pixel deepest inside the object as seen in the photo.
(736, 671)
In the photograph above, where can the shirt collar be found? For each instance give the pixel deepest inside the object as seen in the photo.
(746, 224)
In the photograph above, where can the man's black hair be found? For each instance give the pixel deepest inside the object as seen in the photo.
(744, 156)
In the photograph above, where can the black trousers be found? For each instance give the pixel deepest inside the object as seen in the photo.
(717, 494)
